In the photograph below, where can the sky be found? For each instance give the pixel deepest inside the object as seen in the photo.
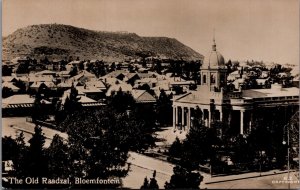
(262, 30)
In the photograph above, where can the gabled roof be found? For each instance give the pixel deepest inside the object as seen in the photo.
(10, 85)
(38, 84)
(142, 96)
(117, 86)
(96, 83)
(8, 78)
(116, 73)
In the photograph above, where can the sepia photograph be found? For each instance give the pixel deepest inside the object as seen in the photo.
(150, 94)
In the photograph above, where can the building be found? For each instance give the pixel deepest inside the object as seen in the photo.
(217, 102)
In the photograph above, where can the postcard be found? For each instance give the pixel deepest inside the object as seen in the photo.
(136, 94)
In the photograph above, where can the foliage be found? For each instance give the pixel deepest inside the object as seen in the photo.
(74, 71)
(121, 101)
(72, 103)
(152, 184)
(9, 148)
(6, 92)
(184, 179)
(6, 71)
(58, 161)
(36, 159)
(39, 108)
(164, 109)
(176, 148)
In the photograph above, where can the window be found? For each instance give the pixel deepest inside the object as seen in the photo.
(204, 79)
(213, 78)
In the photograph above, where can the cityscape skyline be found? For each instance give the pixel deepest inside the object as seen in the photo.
(244, 30)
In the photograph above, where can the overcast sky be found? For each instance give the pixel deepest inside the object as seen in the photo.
(265, 30)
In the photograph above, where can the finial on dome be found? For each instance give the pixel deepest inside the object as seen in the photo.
(214, 46)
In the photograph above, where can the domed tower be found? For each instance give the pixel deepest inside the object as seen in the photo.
(214, 71)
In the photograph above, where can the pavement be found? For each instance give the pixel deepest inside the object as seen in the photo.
(143, 166)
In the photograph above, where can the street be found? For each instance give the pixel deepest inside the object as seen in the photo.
(143, 166)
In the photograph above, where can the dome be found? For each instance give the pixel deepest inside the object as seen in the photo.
(215, 60)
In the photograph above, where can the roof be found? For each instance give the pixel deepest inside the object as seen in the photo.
(261, 93)
(45, 72)
(142, 96)
(10, 85)
(214, 60)
(84, 99)
(8, 78)
(88, 89)
(116, 73)
(38, 84)
(41, 78)
(19, 99)
(74, 62)
(117, 86)
(96, 83)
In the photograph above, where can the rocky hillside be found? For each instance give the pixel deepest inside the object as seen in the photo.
(60, 41)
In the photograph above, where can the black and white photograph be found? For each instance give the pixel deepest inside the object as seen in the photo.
(150, 94)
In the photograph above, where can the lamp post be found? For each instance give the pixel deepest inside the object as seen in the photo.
(288, 151)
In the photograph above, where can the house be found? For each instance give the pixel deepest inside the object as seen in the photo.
(142, 96)
(118, 85)
(36, 85)
(11, 86)
(238, 109)
(85, 101)
(45, 73)
(91, 92)
(19, 105)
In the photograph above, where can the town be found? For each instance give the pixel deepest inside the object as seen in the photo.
(179, 111)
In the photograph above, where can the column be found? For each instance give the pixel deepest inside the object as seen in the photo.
(221, 115)
(242, 122)
(174, 117)
(250, 122)
(229, 118)
(182, 116)
(188, 121)
(209, 118)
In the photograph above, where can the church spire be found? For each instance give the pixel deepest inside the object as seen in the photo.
(214, 46)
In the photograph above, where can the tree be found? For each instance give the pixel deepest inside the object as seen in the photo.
(99, 141)
(39, 108)
(145, 184)
(184, 179)
(6, 92)
(6, 71)
(81, 66)
(9, 148)
(164, 108)
(175, 149)
(72, 103)
(36, 159)
(122, 101)
(152, 184)
(19, 159)
(199, 150)
(21, 85)
(74, 71)
(57, 153)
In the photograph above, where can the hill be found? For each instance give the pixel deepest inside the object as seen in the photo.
(61, 41)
